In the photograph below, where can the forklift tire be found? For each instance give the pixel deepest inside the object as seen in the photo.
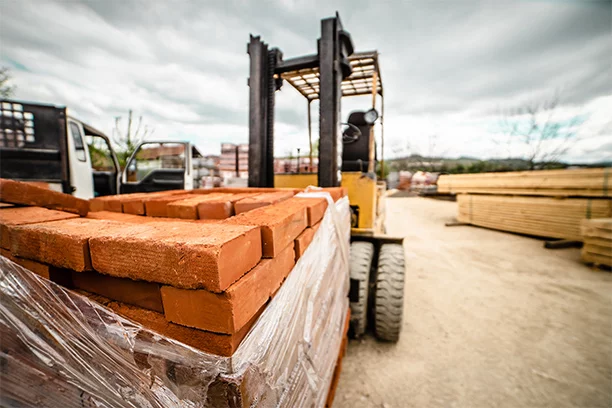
(389, 293)
(361, 256)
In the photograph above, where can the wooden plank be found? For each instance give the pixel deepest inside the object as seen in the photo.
(538, 216)
(576, 182)
(597, 236)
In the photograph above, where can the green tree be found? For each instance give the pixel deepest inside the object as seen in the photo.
(127, 141)
(543, 137)
(6, 90)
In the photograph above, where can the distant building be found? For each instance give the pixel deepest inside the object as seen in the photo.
(290, 165)
(234, 161)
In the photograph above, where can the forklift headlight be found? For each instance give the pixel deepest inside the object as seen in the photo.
(370, 116)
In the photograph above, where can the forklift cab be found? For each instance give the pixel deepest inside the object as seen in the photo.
(346, 158)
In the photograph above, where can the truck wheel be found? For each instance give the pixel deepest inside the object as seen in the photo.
(361, 257)
(389, 292)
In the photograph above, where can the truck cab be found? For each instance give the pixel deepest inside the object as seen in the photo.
(43, 144)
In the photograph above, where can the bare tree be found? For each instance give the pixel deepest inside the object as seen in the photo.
(6, 90)
(127, 141)
(542, 136)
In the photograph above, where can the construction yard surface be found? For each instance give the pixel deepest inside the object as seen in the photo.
(491, 319)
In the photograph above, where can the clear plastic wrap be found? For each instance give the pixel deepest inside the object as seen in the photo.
(60, 349)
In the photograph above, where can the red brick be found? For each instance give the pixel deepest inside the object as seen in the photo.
(335, 192)
(302, 242)
(129, 203)
(261, 200)
(251, 190)
(36, 267)
(158, 206)
(60, 243)
(138, 293)
(229, 311)
(213, 343)
(181, 254)
(128, 218)
(106, 203)
(13, 216)
(221, 208)
(188, 208)
(15, 192)
(280, 224)
(120, 217)
(135, 204)
(315, 206)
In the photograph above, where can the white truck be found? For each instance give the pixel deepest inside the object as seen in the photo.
(42, 143)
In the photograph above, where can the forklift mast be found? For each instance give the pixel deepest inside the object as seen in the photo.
(266, 77)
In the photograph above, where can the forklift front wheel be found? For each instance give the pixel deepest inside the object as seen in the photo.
(389, 292)
(361, 257)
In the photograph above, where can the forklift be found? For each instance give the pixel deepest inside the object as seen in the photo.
(346, 158)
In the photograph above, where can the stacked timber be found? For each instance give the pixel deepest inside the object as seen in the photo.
(538, 216)
(199, 267)
(597, 238)
(562, 183)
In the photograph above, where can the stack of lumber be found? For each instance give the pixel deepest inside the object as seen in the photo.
(563, 183)
(199, 267)
(547, 203)
(538, 216)
(597, 238)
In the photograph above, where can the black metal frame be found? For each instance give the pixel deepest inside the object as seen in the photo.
(333, 72)
(266, 77)
(34, 142)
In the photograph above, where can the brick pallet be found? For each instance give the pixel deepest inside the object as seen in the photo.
(597, 238)
(204, 280)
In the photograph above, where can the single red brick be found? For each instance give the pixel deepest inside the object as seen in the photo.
(335, 192)
(229, 311)
(250, 190)
(36, 267)
(15, 192)
(127, 218)
(115, 216)
(158, 206)
(261, 200)
(182, 254)
(134, 203)
(60, 243)
(280, 224)
(137, 293)
(13, 216)
(302, 242)
(315, 206)
(214, 343)
(106, 203)
(188, 208)
(222, 207)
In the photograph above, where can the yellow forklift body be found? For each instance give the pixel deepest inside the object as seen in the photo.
(362, 192)
(297, 180)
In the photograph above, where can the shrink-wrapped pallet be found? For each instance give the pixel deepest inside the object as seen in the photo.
(63, 349)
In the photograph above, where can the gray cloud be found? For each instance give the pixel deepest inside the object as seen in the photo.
(184, 64)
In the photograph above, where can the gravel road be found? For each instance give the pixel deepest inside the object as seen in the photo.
(491, 319)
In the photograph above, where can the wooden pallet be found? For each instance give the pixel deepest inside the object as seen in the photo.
(559, 183)
(338, 368)
(538, 216)
(597, 237)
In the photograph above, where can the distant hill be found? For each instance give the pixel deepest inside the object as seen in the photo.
(464, 164)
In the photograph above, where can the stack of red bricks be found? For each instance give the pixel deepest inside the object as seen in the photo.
(197, 266)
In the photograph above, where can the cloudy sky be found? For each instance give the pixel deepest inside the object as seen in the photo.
(449, 67)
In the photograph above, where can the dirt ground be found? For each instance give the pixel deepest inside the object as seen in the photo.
(491, 319)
